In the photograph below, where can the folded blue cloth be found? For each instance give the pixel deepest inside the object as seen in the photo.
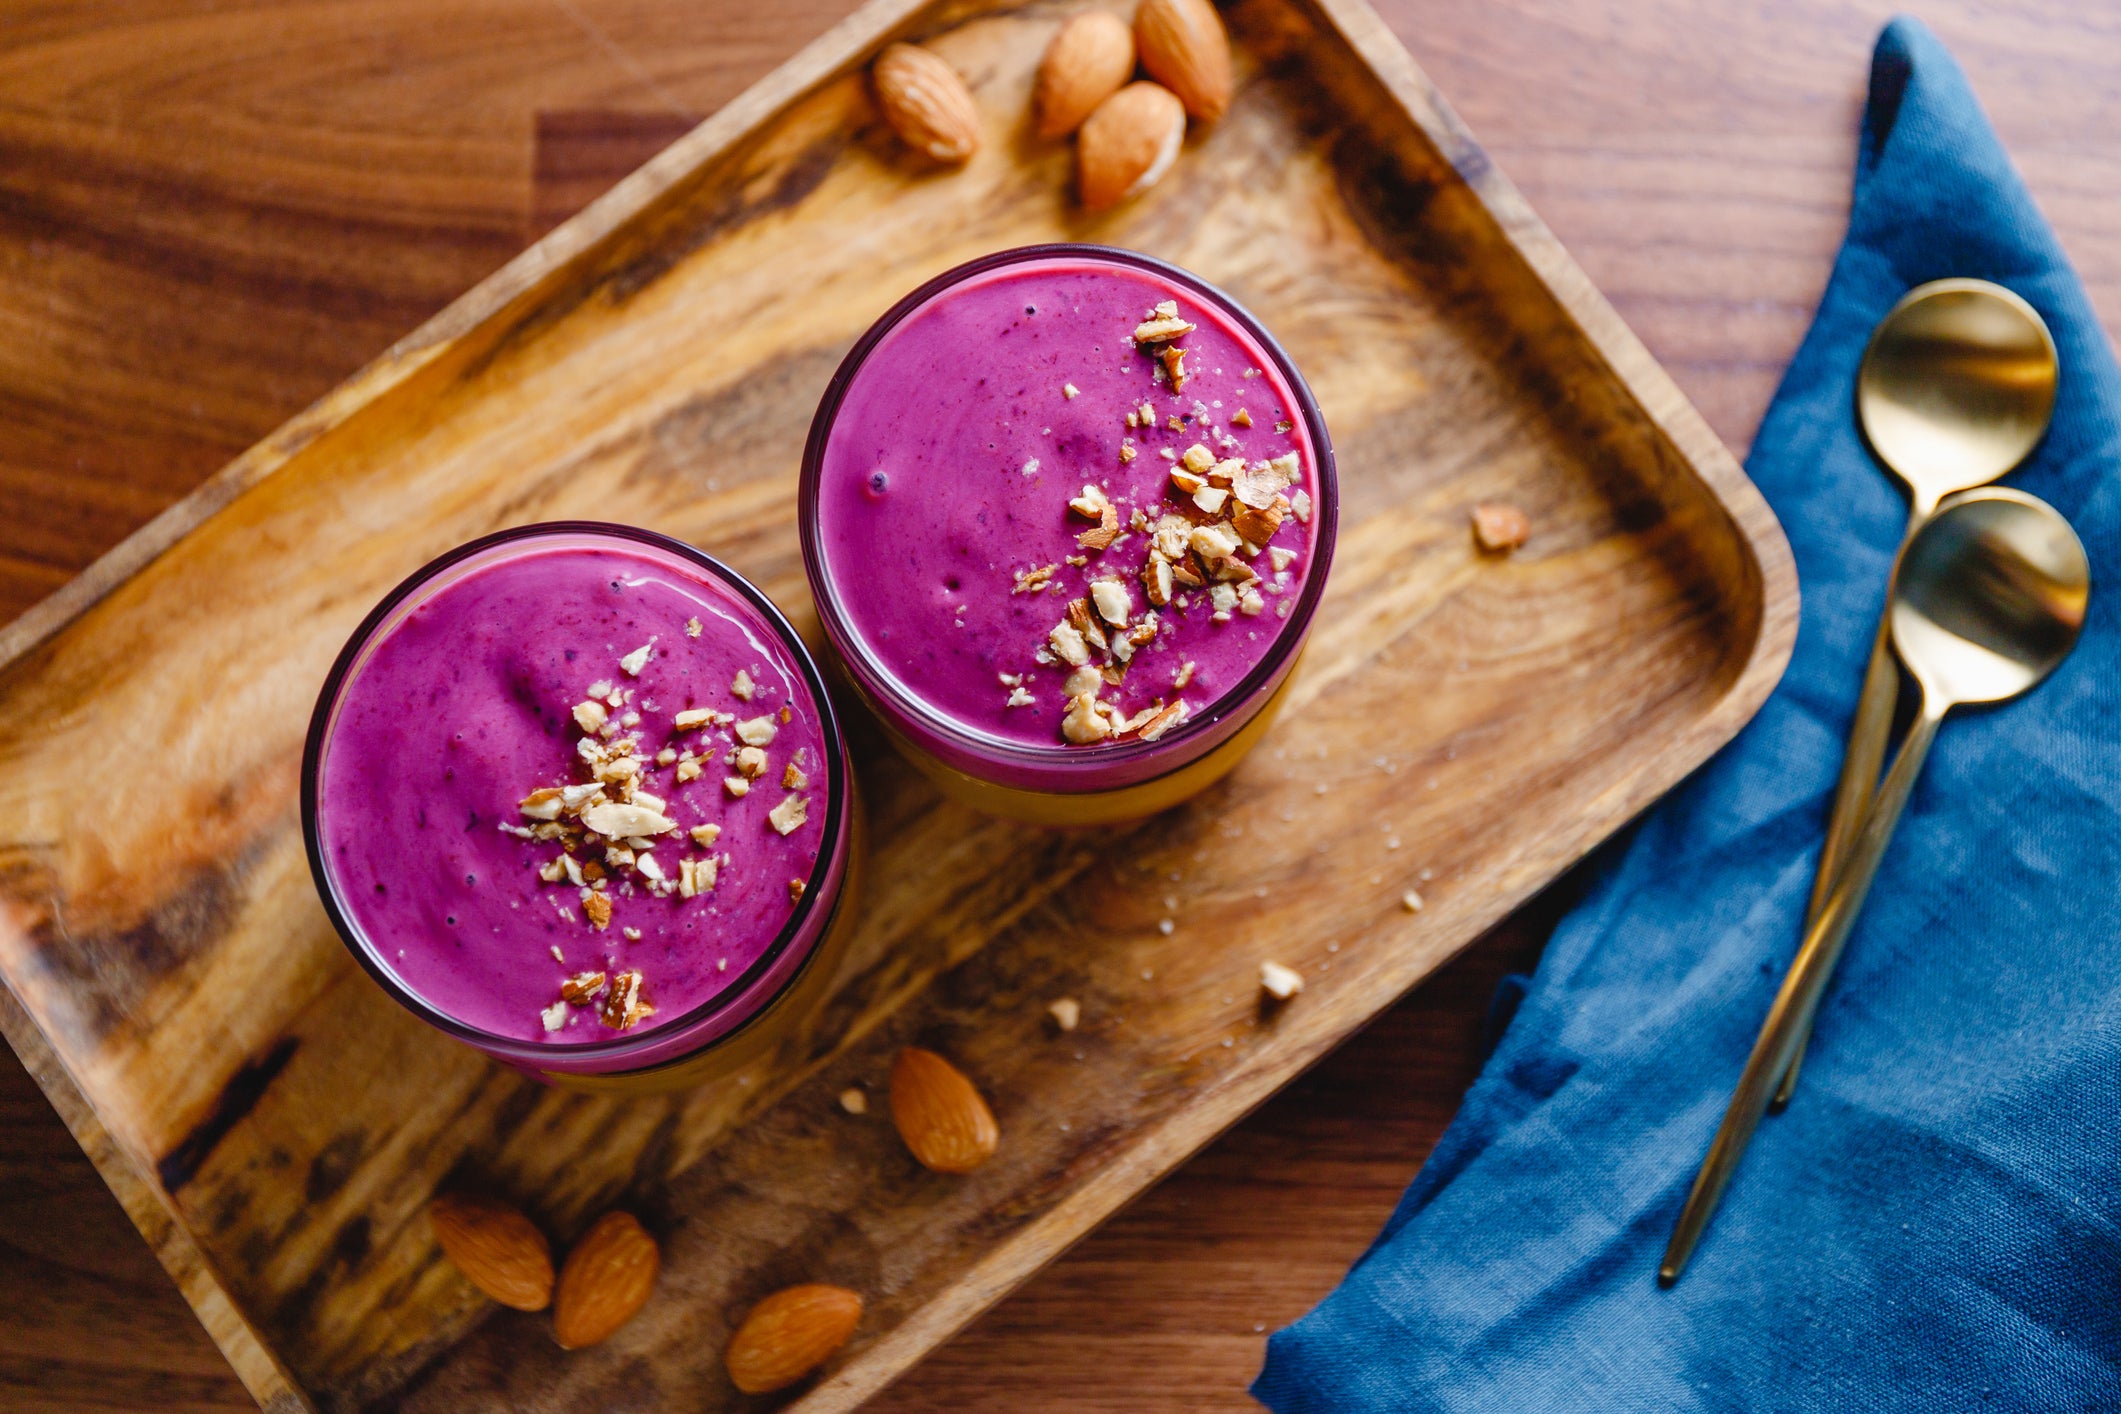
(1935, 1224)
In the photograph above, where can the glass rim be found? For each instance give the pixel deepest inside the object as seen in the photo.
(357, 940)
(1196, 731)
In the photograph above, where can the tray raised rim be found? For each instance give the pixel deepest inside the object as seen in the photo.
(1161, 1147)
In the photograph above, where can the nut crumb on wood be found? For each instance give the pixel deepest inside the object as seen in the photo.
(1410, 901)
(1279, 982)
(1066, 1012)
(1499, 527)
(853, 1101)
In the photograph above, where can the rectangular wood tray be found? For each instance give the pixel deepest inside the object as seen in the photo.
(1464, 726)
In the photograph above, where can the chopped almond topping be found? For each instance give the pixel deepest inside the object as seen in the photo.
(1197, 459)
(759, 731)
(1107, 530)
(633, 935)
(633, 662)
(1185, 675)
(1250, 603)
(600, 688)
(737, 786)
(1500, 528)
(1148, 415)
(591, 716)
(554, 1016)
(552, 871)
(598, 908)
(1186, 482)
(1186, 574)
(1256, 526)
(1162, 328)
(1126, 454)
(622, 821)
(692, 719)
(1175, 425)
(623, 1007)
(697, 876)
(796, 888)
(1214, 542)
(1162, 722)
(1033, 581)
(1092, 504)
(742, 685)
(1082, 680)
(1019, 697)
(1210, 499)
(1281, 556)
(788, 816)
(793, 778)
(1174, 361)
(750, 762)
(689, 769)
(543, 804)
(1084, 723)
(1070, 391)
(579, 988)
(1156, 579)
(692, 627)
(1068, 644)
(1144, 631)
(1114, 604)
(1240, 418)
(705, 835)
(1300, 503)
(1081, 620)
(668, 756)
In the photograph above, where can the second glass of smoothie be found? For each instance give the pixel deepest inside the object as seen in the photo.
(1067, 513)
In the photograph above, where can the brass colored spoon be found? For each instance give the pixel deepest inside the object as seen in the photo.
(1956, 388)
(1987, 598)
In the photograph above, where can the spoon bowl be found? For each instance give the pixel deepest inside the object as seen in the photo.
(1956, 386)
(1989, 597)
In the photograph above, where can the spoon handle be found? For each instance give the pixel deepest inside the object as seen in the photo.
(1868, 734)
(1798, 1001)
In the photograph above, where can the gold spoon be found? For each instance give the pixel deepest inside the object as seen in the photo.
(1987, 597)
(1955, 389)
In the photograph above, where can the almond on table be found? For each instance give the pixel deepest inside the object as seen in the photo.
(608, 1277)
(501, 1251)
(940, 1114)
(789, 1334)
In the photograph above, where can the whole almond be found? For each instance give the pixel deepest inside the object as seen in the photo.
(926, 103)
(789, 1334)
(939, 1114)
(1128, 143)
(499, 1249)
(1184, 46)
(1087, 62)
(606, 1280)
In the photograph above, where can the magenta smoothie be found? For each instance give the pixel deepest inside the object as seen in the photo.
(1068, 505)
(573, 791)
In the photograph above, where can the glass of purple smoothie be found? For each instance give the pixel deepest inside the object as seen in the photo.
(574, 794)
(1067, 512)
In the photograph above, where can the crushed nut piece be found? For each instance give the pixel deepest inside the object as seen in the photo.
(796, 888)
(692, 718)
(1163, 327)
(633, 662)
(1114, 604)
(1070, 391)
(1033, 581)
(788, 816)
(737, 786)
(1240, 418)
(579, 988)
(1281, 556)
(591, 716)
(633, 935)
(759, 731)
(1174, 361)
(598, 908)
(1500, 528)
(621, 821)
(1163, 721)
(1210, 499)
(1301, 504)
(1019, 697)
(742, 685)
(1410, 901)
(1185, 675)
(750, 762)
(853, 1101)
(692, 627)
(697, 876)
(1066, 1012)
(1279, 982)
(1126, 454)
(1156, 579)
(1197, 459)
(623, 1007)
(1084, 723)
(554, 1016)
(1107, 530)
(792, 778)
(1092, 504)
(1250, 604)
(1068, 644)
(689, 769)
(705, 835)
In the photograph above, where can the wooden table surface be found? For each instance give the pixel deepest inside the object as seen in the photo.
(211, 211)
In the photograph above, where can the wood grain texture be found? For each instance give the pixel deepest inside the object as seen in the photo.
(1685, 151)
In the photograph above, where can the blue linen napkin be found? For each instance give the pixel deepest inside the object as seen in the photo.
(1935, 1224)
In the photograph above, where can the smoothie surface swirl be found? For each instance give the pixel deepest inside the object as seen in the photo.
(523, 678)
(967, 472)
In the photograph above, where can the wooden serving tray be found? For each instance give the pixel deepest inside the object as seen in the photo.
(1462, 725)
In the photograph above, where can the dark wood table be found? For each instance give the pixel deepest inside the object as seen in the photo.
(211, 211)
